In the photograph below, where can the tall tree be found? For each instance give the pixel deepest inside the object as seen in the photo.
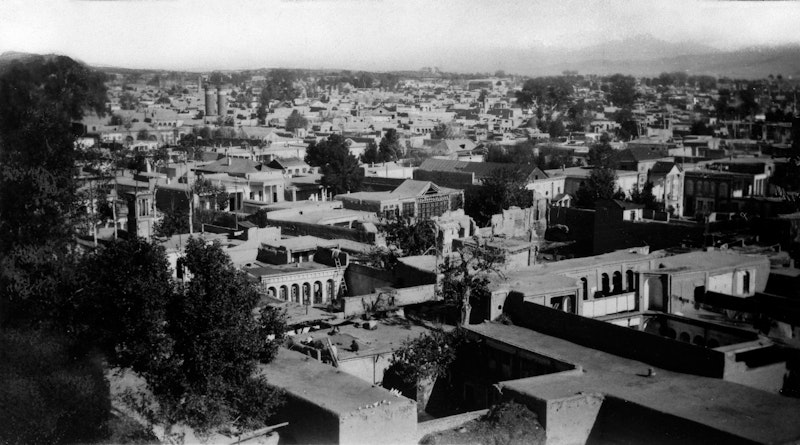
(465, 277)
(645, 196)
(370, 155)
(340, 169)
(622, 90)
(41, 97)
(206, 379)
(503, 188)
(603, 155)
(547, 93)
(601, 184)
(127, 287)
(389, 148)
(296, 121)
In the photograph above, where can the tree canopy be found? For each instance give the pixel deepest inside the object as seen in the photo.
(547, 93)
(296, 121)
(210, 344)
(39, 211)
(503, 188)
(622, 90)
(341, 171)
(601, 184)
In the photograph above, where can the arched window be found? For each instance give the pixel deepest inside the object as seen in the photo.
(283, 293)
(605, 284)
(617, 282)
(271, 292)
(295, 293)
(329, 290)
(629, 280)
(306, 293)
(585, 286)
(746, 283)
(317, 293)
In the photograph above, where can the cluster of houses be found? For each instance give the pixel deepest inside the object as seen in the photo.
(686, 343)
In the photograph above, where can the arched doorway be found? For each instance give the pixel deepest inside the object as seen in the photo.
(283, 291)
(629, 280)
(329, 290)
(295, 293)
(306, 293)
(654, 294)
(605, 285)
(585, 287)
(617, 282)
(317, 293)
(272, 292)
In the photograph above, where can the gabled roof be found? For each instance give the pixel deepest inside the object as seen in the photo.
(663, 167)
(412, 188)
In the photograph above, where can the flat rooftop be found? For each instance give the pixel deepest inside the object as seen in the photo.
(323, 385)
(733, 408)
(259, 269)
(388, 336)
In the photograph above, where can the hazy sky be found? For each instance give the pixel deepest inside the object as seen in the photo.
(369, 34)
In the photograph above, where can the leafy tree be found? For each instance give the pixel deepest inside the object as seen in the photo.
(426, 357)
(521, 153)
(340, 169)
(370, 155)
(601, 184)
(622, 90)
(125, 317)
(644, 196)
(173, 221)
(206, 380)
(389, 148)
(128, 101)
(259, 218)
(217, 194)
(547, 93)
(628, 126)
(465, 282)
(296, 121)
(48, 395)
(410, 237)
(603, 155)
(38, 208)
(503, 188)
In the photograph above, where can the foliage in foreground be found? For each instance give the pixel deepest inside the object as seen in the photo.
(46, 395)
(208, 346)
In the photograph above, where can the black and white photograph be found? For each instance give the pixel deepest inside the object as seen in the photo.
(380, 222)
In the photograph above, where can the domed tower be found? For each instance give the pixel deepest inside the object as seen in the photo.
(211, 103)
(222, 102)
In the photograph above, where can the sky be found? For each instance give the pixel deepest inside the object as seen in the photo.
(377, 35)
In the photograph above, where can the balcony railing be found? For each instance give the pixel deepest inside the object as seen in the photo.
(611, 304)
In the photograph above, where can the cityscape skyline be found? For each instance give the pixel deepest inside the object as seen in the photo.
(469, 36)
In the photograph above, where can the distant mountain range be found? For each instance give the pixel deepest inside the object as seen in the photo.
(639, 56)
(647, 56)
